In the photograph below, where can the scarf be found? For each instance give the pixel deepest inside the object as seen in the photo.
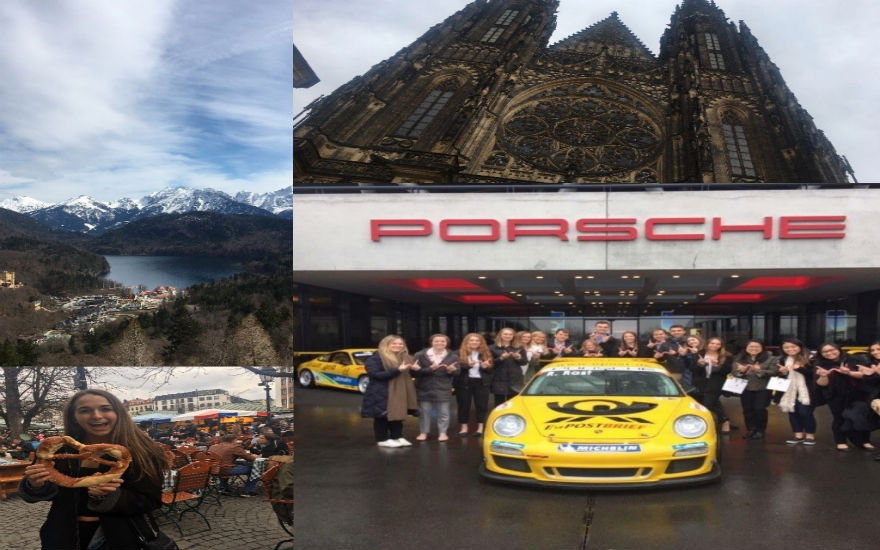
(401, 393)
(797, 389)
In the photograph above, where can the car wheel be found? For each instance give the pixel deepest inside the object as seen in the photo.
(306, 378)
(363, 381)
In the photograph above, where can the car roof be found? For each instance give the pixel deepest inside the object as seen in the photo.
(598, 362)
(354, 350)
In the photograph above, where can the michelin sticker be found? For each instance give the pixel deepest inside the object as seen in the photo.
(596, 448)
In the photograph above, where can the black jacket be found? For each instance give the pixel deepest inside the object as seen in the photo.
(130, 503)
(434, 385)
(713, 382)
(507, 374)
(375, 403)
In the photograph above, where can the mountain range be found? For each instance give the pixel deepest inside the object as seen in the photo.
(84, 214)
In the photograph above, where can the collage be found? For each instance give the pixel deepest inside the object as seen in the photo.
(527, 274)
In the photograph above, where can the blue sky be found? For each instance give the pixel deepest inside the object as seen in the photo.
(823, 49)
(120, 98)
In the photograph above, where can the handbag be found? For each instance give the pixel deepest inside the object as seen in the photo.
(155, 539)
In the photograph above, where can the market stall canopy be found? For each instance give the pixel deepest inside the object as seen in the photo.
(214, 413)
(156, 418)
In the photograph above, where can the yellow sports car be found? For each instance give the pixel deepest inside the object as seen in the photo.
(601, 423)
(338, 369)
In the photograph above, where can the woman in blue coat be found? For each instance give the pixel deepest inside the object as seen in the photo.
(391, 394)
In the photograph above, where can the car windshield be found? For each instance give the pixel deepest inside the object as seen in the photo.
(360, 357)
(603, 381)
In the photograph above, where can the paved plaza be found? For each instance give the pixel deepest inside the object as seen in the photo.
(239, 524)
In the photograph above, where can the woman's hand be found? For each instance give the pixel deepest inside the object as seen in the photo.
(36, 475)
(783, 369)
(104, 489)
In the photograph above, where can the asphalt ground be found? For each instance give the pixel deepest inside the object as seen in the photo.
(239, 524)
(351, 494)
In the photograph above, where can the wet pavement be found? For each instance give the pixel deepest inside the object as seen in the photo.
(351, 494)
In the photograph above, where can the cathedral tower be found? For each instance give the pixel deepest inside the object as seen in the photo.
(482, 98)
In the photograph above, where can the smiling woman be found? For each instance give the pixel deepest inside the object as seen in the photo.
(116, 509)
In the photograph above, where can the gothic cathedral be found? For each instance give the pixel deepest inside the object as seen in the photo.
(482, 98)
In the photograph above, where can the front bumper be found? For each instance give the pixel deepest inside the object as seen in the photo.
(713, 475)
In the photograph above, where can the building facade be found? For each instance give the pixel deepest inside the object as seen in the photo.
(136, 407)
(191, 401)
(482, 98)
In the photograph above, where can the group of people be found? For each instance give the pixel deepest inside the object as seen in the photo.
(118, 513)
(424, 384)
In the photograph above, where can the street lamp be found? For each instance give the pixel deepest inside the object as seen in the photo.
(267, 375)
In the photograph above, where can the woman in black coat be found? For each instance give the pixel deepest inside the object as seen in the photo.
(839, 377)
(709, 370)
(390, 395)
(116, 510)
(508, 360)
(472, 384)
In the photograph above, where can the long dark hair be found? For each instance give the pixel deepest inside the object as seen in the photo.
(801, 357)
(146, 457)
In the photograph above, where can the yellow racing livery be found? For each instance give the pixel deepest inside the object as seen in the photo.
(343, 369)
(601, 423)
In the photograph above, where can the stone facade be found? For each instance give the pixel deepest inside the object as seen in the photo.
(482, 98)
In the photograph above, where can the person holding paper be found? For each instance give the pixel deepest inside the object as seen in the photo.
(756, 365)
(800, 399)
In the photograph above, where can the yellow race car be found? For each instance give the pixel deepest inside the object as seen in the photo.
(601, 423)
(338, 369)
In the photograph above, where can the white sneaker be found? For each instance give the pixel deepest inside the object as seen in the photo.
(388, 443)
(403, 443)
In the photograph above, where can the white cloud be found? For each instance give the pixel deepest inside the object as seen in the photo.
(117, 98)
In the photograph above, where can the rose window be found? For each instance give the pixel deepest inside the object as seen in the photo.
(582, 133)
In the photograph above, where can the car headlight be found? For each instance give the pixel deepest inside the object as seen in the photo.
(509, 425)
(690, 426)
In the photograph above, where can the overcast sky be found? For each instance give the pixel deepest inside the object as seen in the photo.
(114, 98)
(825, 50)
(128, 382)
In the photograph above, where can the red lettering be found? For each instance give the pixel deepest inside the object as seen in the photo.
(652, 235)
(381, 228)
(559, 231)
(766, 228)
(604, 229)
(799, 227)
(493, 225)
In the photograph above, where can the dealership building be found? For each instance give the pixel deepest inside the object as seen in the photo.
(738, 264)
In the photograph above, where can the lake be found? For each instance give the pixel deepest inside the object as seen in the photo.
(178, 271)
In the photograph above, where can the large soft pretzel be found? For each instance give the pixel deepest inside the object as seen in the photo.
(46, 455)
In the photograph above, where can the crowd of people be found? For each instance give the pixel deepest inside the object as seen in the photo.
(797, 380)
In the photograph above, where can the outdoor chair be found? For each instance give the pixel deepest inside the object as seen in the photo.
(188, 494)
(180, 459)
(285, 520)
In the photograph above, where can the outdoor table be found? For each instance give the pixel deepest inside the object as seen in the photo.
(11, 472)
(259, 466)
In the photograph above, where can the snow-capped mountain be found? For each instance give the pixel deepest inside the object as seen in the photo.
(173, 200)
(22, 204)
(83, 214)
(278, 202)
(87, 215)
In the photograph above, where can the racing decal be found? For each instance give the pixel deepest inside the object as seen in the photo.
(335, 379)
(683, 446)
(589, 409)
(599, 448)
